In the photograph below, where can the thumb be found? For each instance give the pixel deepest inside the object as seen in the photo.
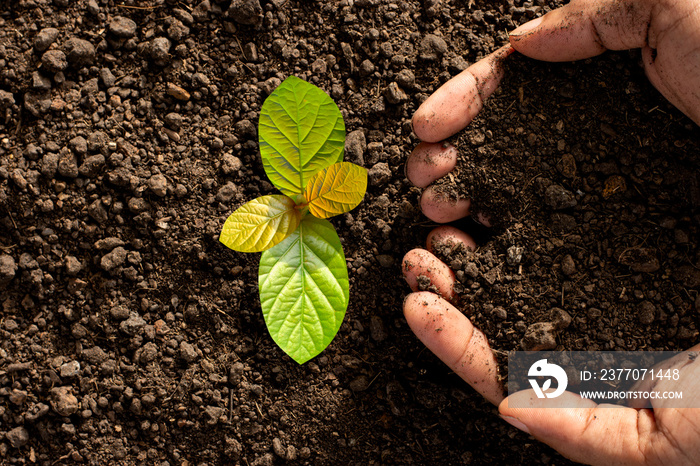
(583, 29)
(582, 430)
(667, 32)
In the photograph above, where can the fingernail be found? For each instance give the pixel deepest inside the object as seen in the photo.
(527, 27)
(515, 423)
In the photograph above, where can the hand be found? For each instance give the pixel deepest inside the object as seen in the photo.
(668, 32)
(583, 431)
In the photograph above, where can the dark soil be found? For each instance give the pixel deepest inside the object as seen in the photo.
(130, 335)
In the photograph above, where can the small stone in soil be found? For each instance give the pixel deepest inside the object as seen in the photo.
(376, 329)
(559, 198)
(122, 27)
(8, 267)
(568, 267)
(247, 12)
(379, 174)
(647, 312)
(63, 401)
(54, 61)
(44, 39)
(18, 437)
(79, 52)
(560, 318)
(539, 337)
(178, 92)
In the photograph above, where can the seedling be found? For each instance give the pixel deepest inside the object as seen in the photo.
(302, 278)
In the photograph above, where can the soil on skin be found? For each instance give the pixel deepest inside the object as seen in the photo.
(130, 335)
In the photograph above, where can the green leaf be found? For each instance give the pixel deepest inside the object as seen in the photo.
(260, 224)
(304, 289)
(301, 132)
(336, 189)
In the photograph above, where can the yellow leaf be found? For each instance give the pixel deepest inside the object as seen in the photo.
(336, 189)
(260, 224)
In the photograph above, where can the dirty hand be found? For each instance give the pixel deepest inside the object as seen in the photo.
(668, 32)
(582, 430)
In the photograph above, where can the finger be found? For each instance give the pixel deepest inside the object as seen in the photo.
(458, 101)
(668, 37)
(648, 384)
(671, 78)
(420, 264)
(449, 236)
(442, 208)
(583, 29)
(452, 338)
(429, 162)
(582, 431)
(687, 381)
(651, 69)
